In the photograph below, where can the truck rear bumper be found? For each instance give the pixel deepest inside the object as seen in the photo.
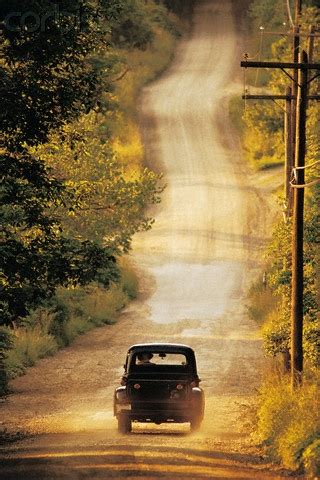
(157, 413)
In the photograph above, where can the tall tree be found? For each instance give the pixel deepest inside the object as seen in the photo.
(47, 78)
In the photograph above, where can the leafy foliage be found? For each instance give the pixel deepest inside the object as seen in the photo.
(108, 205)
(68, 206)
(45, 81)
(46, 77)
(132, 29)
(277, 329)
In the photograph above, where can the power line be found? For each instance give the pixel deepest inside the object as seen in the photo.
(289, 12)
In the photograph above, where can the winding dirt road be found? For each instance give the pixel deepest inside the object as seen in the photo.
(196, 264)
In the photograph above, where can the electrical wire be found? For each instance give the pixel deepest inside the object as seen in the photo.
(289, 12)
(259, 53)
(307, 166)
(314, 182)
(294, 176)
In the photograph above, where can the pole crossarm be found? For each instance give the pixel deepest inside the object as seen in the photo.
(276, 97)
(291, 34)
(294, 65)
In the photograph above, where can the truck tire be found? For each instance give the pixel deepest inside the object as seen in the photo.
(195, 424)
(124, 423)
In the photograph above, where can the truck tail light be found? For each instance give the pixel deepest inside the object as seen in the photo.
(136, 386)
(179, 386)
(193, 384)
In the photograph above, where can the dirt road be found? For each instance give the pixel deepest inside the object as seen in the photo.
(197, 262)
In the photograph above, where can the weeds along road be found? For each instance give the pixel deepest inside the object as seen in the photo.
(196, 262)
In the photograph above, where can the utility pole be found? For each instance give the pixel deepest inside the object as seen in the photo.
(302, 66)
(297, 10)
(288, 151)
(294, 86)
(297, 228)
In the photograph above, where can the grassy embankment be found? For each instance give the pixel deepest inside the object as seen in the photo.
(74, 311)
(287, 422)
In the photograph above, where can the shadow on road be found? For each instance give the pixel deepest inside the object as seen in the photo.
(128, 459)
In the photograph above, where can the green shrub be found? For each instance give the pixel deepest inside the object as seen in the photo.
(276, 333)
(61, 316)
(262, 301)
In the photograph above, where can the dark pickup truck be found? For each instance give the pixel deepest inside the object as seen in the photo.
(160, 384)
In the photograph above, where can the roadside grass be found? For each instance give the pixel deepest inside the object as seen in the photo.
(285, 422)
(129, 279)
(71, 313)
(28, 347)
(289, 422)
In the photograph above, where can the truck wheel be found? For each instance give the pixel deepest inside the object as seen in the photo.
(195, 424)
(124, 423)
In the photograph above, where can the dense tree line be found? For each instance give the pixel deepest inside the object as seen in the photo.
(46, 80)
(58, 227)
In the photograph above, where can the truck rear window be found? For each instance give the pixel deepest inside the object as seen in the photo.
(162, 358)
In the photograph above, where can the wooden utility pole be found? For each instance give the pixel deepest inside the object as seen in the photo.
(288, 151)
(294, 86)
(297, 11)
(297, 228)
(302, 66)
